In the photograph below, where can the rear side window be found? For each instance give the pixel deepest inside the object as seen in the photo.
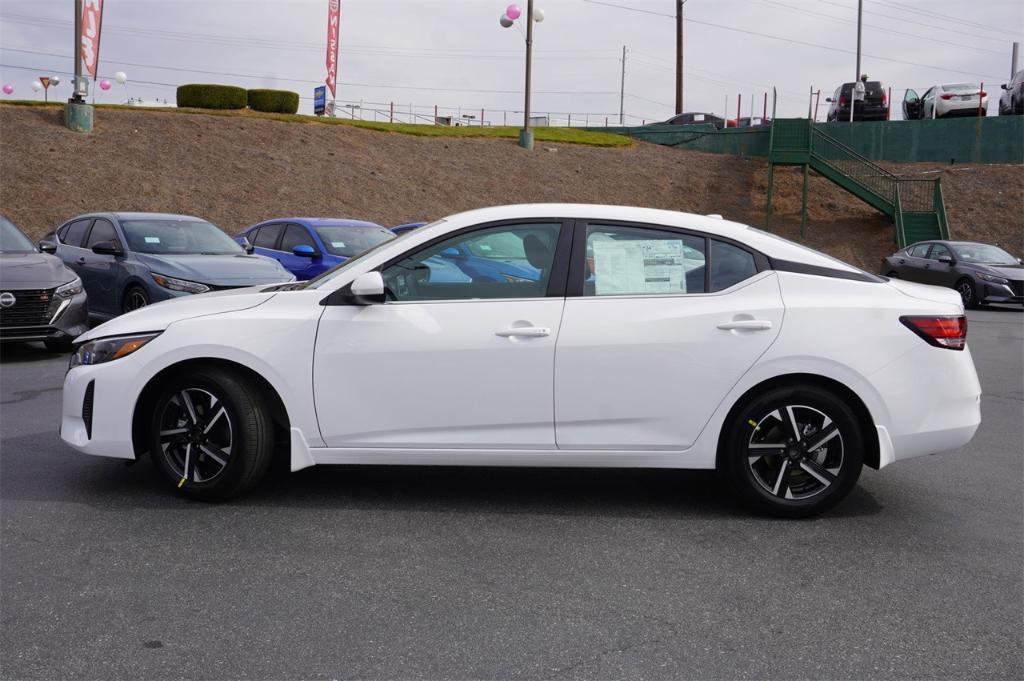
(74, 234)
(729, 265)
(102, 230)
(623, 260)
(267, 237)
(296, 235)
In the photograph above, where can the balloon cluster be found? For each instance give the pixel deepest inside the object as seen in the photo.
(513, 12)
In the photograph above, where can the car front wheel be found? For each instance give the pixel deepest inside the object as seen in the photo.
(211, 434)
(967, 294)
(134, 298)
(793, 451)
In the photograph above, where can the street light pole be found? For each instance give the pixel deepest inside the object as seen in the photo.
(622, 90)
(856, 76)
(526, 135)
(679, 55)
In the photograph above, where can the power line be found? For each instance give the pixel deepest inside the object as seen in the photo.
(796, 42)
(944, 17)
(987, 38)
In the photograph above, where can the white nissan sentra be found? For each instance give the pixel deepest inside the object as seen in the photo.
(576, 335)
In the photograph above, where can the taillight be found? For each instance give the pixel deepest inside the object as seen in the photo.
(885, 98)
(942, 332)
(842, 100)
(947, 96)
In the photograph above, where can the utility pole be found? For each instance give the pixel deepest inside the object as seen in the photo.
(679, 55)
(1013, 59)
(77, 86)
(622, 90)
(856, 76)
(526, 135)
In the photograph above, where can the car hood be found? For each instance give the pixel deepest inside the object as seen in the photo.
(32, 270)
(218, 270)
(158, 316)
(936, 294)
(1012, 272)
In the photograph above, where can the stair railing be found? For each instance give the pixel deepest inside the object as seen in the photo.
(901, 233)
(939, 206)
(857, 168)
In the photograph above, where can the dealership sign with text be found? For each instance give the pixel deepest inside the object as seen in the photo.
(92, 18)
(333, 30)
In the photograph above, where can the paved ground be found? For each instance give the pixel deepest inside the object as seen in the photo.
(480, 573)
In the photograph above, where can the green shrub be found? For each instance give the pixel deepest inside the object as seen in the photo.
(274, 101)
(203, 96)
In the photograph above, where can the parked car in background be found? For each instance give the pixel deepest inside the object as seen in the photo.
(748, 122)
(941, 101)
(981, 273)
(407, 227)
(40, 298)
(1011, 102)
(695, 118)
(308, 247)
(874, 106)
(751, 368)
(129, 260)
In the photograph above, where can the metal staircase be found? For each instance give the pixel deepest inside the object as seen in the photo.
(914, 205)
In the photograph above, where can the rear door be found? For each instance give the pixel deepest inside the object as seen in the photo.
(935, 271)
(266, 240)
(913, 267)
(659, 325)
(72, 241)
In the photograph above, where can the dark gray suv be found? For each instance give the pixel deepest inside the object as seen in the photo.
(40, 298)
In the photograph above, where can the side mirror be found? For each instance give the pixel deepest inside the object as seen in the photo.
(451, 252)
(1005, 86)
(107, 248)
(828, 99)
(47, 247)
(366, 289)
(946, 259)
(247, 245)
(305, 251)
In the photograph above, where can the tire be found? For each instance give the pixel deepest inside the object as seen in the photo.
(768, 463)
(893, 275)
(135, 297)
(59, 344)
(231, 428)
(967, 293)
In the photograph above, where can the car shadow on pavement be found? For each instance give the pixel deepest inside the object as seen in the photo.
(27, 352)
(61, 475)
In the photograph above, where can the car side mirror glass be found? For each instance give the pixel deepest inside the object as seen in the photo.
(47, 247)
(107, 248)
(247, 245)
(304, 251)
(946, 259)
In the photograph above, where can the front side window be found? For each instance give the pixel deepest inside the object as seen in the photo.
(939, 251)
(642, 261)
(12, 240)
(178, 237)
(102, 230)
(508, 261)
(349, 241)
(296, 235)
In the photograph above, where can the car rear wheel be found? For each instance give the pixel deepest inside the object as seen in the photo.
(967, 294)
(211, 434)
(134, 298)
(793, 451)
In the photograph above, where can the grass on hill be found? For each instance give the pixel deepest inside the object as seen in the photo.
(545, 134)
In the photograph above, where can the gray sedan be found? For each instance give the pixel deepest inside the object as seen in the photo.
(129, 260)
(981, 273)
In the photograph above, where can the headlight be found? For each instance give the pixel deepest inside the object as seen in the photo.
(993, 279)
(106, 349)
(72, 288)
(179, 284)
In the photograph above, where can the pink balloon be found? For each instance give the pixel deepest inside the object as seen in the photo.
(8, 89)
(513, 12)
(104, 84)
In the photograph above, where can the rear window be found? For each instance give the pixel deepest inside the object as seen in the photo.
(872, 88)
(961, 88)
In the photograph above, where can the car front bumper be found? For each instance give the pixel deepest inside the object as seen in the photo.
(1012, 293)
(64, 320)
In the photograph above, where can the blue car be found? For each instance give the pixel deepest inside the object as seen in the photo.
(492, 257)
(308, 247)
(129, 260)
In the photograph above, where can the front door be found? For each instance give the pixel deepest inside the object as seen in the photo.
(911, 105)
(666, 324)
(448, 362)
(101, 273)
(303, 267)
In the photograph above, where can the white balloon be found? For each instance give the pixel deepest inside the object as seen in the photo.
(54, 80)
(121, 77)
(538, 14)
(36, 85)
(505, 21)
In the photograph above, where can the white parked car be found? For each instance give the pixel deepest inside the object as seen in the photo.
(647, 339)
(956, 99)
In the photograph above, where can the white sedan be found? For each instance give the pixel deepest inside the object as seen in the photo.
(635, 338)
(957, 99)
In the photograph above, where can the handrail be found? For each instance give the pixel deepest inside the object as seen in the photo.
(901, 234)
(939, 206)
(850, 152)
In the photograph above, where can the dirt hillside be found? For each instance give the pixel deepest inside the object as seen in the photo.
(239, 170)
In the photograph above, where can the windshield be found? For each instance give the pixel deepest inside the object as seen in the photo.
(178, 237)
(318, 282)
(12, 240)
(984, 253)
(350, 241)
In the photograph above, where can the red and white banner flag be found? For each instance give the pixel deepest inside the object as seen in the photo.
(333, 34)
(92, 18)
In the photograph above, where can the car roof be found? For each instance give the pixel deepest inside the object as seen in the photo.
(321, 222)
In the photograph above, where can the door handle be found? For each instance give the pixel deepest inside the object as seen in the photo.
(902, 261)
(81, 260)
(746, 325)
(524, 331)
(927, 266)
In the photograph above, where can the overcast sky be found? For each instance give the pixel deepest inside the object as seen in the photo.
(453, 53)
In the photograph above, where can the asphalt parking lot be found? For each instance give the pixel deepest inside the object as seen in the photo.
(363, 572)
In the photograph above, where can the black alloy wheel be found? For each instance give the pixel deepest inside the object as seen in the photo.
(966, 290)
(211, 434)
(134, 298)
(794, 452)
